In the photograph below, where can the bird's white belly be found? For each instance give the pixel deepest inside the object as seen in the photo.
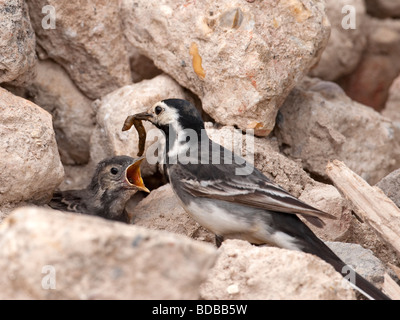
(231, 225)
(216, 219)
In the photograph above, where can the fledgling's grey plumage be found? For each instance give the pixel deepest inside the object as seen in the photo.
(111, 187)
(249, 207)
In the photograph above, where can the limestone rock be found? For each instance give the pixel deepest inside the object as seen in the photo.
(112, 110)
(328, 199)
(383, 8)
(390, 185)
(142, 67)
(87, 42)
(77, 177)
(81, 257)
(161, 210)
(364, 235)
(370, 82)
(392, 108)
(345, 46)
(361, 260)
(73, 116)
(243, 271)
(319, 123)
(30, 166)
(17, 43)
(242, 59)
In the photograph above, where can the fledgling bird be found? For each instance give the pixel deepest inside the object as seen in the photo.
(115, 180)
(247, 206)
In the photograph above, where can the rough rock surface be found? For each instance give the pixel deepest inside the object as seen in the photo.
(362, 260)
(336, 128)
(91, 258)
(161, 210)
(241, 58)
(73, 116)
(243, 271)
(290, 175)
(87, 42)
(142, 67)
(370, 82)
(383, 8)
(392, 108)
(362, 234)
(345, 47)
(17, 43)
(30, 166)
(390, 185)
(77, 177)
(112, 110)
(328, 199)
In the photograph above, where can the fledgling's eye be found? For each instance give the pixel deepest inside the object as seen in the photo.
(158, 110)
(114, 171)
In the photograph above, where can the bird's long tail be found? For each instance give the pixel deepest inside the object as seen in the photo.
(308, 242)
(319, 248)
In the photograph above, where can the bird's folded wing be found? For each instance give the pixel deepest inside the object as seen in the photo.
(263, 195)
(66, 201)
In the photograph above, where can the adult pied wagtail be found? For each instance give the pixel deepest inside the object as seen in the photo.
(249, 207)
(115, 180)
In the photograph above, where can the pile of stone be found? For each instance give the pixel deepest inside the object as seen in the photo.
(313, 85)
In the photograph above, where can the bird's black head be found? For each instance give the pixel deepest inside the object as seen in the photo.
(118, 173)
(175, 113)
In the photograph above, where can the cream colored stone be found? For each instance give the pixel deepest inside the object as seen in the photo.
(17, 43)
(345, 46)
(243, 271)
(370, 82)
(392, 108)
(30, 166)
(87, 41)
(242, 59)
(383, 8)
(73, 116)
(90, 258)
(319, 123)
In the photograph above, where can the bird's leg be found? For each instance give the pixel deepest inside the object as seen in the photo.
(218, 240)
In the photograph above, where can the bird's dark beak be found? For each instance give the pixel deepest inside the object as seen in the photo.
(133, 176)
(144, 116)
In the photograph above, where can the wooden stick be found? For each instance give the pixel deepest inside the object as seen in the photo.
(391, 288)
(396, 269)
(370, 203)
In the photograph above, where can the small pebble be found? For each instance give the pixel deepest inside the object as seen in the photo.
(232, 289)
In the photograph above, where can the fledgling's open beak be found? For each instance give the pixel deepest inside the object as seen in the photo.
(144, 116)
(133, 176)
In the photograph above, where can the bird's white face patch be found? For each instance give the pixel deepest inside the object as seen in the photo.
(167, 116)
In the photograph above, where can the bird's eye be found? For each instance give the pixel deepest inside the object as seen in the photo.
(114, 170)
(158, 110)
